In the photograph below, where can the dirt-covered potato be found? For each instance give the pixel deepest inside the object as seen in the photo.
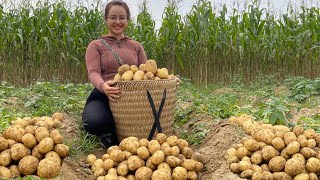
(268, 152)
(148, 76)
(192, 175)
(153, 146)
(234, 167)
(28, 165)
(91, 158)
(162, 74)
(172, 161)
(293, 147)
(265, 167)
(151, 66)
(122, 168)
(35, 152)
(309, 133)
(302, 140)
(118, 155)
(279, 134)
(251, 145)
(298, 130)
(112, 148)
(307, 152)
(59, 116)
(172, 140)
(257, 176)
(117, 77)
(164, 165)
(313, 165)
(5, 172)
(150, 165)
(189, 164)
(16, 133)
(111, 177)
(127, 76)
(143, 142)
(108, 164)
(142, 67)
(132, 146)
(276, 164)
(134, 68)
(278, 143)
(122, 69)
(256, 168)
(40, 133)
(143, 153)
(143, 173)
(54, 155)
(289, 137)
(99, 172)
(182, 143)
(281, 128)
(48, 168)
(161, 174)
(302, 176)
(281, 176)
(97, 164)
(175, 151)
(312, 143)
(45, 145)
(161, 138)
(14, 169)
(3, 144)
(187, 152)
(294, 167)
(241, 152)
(199, 157)
(179, 173)
(56, 136)
(5, 157)
(135, 162)
(285, 154)
(244, 165)
(247, 173)
(29, 140)
(300, 157)
(18, 151)
(11, 142)
(157, 157)
(313, 176)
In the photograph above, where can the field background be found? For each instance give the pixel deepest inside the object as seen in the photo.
(47, 41)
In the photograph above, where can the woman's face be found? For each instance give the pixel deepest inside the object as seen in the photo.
(117, 21)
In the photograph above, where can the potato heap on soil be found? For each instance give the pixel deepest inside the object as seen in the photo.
(32, 146)
(147, 71)
(275, 152)
(163, 158)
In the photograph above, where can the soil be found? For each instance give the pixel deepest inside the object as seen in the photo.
(222, 136)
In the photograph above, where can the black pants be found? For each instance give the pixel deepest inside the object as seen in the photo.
(97, 116)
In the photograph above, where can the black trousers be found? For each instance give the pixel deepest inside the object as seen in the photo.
(97, 116)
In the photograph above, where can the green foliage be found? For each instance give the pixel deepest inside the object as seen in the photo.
(275, 111)
(302, 89)
(311, 122)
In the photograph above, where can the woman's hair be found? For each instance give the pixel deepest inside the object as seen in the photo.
(116, 3)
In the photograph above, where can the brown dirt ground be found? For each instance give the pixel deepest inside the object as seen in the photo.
(222, 136)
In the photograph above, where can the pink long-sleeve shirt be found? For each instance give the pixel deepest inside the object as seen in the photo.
(101, 63)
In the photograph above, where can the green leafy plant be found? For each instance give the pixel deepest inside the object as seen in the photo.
(275, 111)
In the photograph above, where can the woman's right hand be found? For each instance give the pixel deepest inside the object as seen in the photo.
(111, 92)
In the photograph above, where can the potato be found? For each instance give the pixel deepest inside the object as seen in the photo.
(267, 175)
(151, 66)
(267, 136)
(300, 157)
(45, 145)
(153, 146)
(111, 177)
(265, 167)
(199, 157)
(5, 172)
(104, 157)
(132, 146)
(143, 142)
(161, 138)
(135, 162)
(237, 146)
(30, 129)
(302, 176)
(164, 165)
(312, 143)
(277, 164)
(118, 155)
(157, 157)
(192, 175)
(175, 151)
(5, 157)
(246, 158)
(29, 140)
(150, 165)
(189, 164)
(182, 144)
(97, 164)
(143, 173)
(284, 154)
(298, 130)
(131, 177)
(143, 153)
(307, 152)
(54, 155)
(244, 165)
(112, 148)
(309, 133)
(40, 133)
(142, 67)
(198, 166)
(59, 116)
(241, 152)
(187, 152)
(108, 164)
(126, 153)
(11, 142)
(281, 128)
(172, 140)
(313, 176)
(256, 168)
(161, 174)
(166, 149)
(302, 140)
(162, 74)
(278, 143)
(294, 167)
(18, 151)
(257, 176)
(289, 137)
(172, 161)
(251, 145)
(234, 167)
(281, 176)
(124, 68)
(313, 165)
(247, 173)
(48, 168)
(179, 173)
(293, 147)
(3, 144)
(36, 153)
(28, 165)
(127, 76)
(279, 134)
(99, 172)
(14, 169)
(16, 133)
(117, 77)
(269, 152)
(123, 168)
(262, 145)
(56, 136)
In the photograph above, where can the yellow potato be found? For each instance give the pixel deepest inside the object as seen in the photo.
(172, 161)
(28, 165)
(135, 162)
(179, 173)
(99, 172)
(59, 116)
(162, 74)
(143, 153)
(278, 143)
(244, 165)
(153, 146)
(36, 153)
(134, 68)
(4, 144)
(48, 168)
(192, 175)
(277, 164)
(298, 130)
(289, 137)
(234, 167)
(161, 138)
(14, 169)
(132, 146)
(29, 140)
(139, 75)
(143, 173)
(247, 173)
(144, 142)
(293, 147)
(151, 66)
(148, 76)
(117, 155)
(5, 172)
(161, 174)
(313, 165)
(108, 164)
(5, 157)
(294, 167)
(18, 151)
(142, 67)
(164, 165)
(157, 157)
(269, 152)
(40, 133)
(122, 168)
(122, 69)
(281, 175)
(56, 136)
(54, 155)
(187, 152)
(302, 140)
(256, 157)
(127, 76)
(309, 133)
(45, 145)
(97, 164)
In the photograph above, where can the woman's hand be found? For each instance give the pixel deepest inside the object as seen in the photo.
(111, 92)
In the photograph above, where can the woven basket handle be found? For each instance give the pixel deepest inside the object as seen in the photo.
(156, 114)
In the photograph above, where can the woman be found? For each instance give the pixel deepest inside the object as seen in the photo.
(102, 65)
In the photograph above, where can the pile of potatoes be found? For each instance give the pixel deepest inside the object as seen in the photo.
(147, 71)
(275, 152)
(158, 159)
(32, 146)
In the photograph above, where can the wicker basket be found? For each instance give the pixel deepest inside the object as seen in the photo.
(133, 112)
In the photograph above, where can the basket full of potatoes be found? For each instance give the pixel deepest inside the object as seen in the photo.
(147, 100)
